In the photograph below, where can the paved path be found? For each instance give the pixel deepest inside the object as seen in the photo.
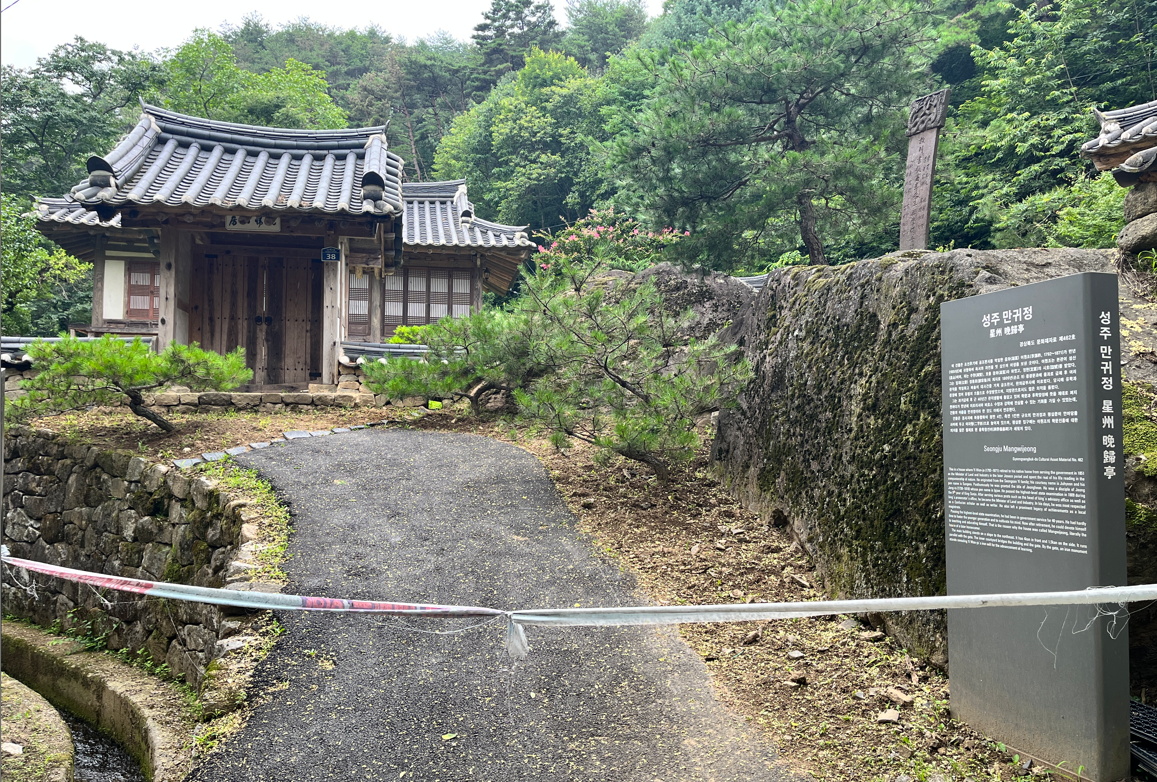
(441, 518)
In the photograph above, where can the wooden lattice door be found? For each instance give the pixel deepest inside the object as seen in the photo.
(269, 305)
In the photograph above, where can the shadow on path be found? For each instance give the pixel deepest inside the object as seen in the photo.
(444, 518)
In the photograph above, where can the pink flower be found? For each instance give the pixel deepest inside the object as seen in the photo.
(635, 232)
(686, 233)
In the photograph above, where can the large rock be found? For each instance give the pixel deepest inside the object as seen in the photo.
(1138, 235)
(1141, 200)
(839, 432)
(712, 299)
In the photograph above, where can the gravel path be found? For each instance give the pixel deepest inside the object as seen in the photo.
(443, 518)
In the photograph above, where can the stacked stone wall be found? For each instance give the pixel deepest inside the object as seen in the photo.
(74, 505)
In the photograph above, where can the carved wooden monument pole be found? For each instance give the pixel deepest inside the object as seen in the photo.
(924, 123)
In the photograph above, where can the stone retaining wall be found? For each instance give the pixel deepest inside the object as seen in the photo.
(78, 506)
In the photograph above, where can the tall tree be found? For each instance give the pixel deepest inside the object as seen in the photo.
(204, 79)
(788, 124)
(601, 28)
(73, 102)
(419, 90)
(344, 55)
(1018, 139)
(525, 149)
(693, 20)
(32, 270)
(510, 29)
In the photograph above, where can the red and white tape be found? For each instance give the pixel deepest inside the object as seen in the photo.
(516, 643)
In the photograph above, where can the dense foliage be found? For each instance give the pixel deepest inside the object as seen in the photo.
(767, 129)
(75, 374)
(772, 130)
(587, 356)
(39, 282)
(70, 104)
(202, 78)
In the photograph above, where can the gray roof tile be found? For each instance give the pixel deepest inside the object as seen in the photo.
(439, 214)
(173, 159)
(1123, 130)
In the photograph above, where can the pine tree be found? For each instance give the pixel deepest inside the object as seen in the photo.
(511, 28)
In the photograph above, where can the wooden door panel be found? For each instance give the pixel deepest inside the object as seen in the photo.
(275, 344)
(251, 311)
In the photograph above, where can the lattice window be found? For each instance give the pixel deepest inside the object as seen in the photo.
(416, 302)
(393, 299)
(358, 306)
(144, 291)
(460, 295)
(439, 294)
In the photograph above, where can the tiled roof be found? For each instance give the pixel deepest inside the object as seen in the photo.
(438, 214)
(61, 210)
(1122, 131)
(173, 160)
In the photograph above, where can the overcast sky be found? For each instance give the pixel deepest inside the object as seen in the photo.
(32, 28)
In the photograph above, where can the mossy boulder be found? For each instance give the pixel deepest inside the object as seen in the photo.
(839, 432)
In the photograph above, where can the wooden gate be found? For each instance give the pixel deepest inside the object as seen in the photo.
(270, 305)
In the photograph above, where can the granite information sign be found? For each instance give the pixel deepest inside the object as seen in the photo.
(1034, 502)
(925, 119)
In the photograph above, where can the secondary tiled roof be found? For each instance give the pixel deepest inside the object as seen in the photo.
(438, 214)
(62, 210)
(173, 159)
(1127, 143)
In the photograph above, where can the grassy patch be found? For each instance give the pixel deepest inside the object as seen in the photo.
(272, 515)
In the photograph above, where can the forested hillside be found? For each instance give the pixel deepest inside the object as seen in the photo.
(773, 132)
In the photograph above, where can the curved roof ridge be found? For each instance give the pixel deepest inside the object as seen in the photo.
(192, 123)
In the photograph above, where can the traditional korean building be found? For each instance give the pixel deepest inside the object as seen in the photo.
(1127, 146)
(284, 242)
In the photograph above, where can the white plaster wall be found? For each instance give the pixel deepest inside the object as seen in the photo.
(114, 290)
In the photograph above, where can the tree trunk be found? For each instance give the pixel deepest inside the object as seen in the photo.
(807, 230)
(137, 405)
(662, 472)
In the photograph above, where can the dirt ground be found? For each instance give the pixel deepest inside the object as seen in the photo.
(818, 687)
(32, 725)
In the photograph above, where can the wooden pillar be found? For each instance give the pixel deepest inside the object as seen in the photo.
(98, 246)
(174, 257)
(330, 320)
(476, 286)
(183, 286)
(375, 305)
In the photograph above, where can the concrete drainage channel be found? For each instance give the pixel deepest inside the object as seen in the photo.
(97, 757)
(145, 715)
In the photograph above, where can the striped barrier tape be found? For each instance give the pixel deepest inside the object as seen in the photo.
(259, 600)
(516, 643)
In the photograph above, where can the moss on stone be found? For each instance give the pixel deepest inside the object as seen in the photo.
(1139, 424)
(1137, 515)
(172, 572)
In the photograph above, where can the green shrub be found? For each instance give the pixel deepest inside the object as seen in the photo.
(76, 374)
